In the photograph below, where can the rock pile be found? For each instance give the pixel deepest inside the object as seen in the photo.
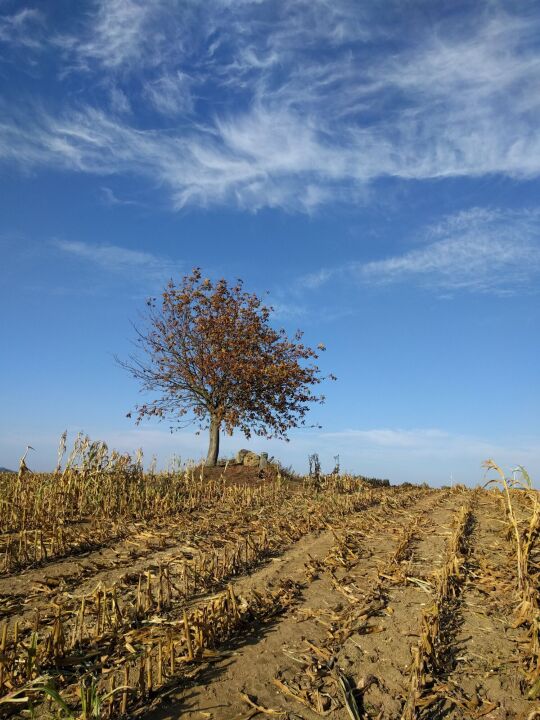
(251, 459)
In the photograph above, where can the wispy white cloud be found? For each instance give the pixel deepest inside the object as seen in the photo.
(436, 455)
(425, 442)
(314, 280)
(119, 101)
(23, 28)
(480, 250)
(287, 310)
(418, 454)
(392, 438)
(471, 263)
(297, 111)
(111, 198)
(170, 94)
(198, 168)
(116, 32)
(134, 264)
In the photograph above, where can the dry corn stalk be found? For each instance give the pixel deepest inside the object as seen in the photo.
(448, 580)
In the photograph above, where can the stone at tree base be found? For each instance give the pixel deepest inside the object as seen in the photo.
(240, 455)
(251, 459)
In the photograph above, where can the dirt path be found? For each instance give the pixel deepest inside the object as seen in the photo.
(289, 649)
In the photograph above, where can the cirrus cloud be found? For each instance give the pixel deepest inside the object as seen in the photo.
(288, 104)
(486, 250)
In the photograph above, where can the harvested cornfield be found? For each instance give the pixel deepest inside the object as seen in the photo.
(138, 594)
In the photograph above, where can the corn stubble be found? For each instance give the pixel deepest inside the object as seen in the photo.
(524, 536)
(120, 648)
(426, 685)
(104, 653)
(428, 654)
(320, 685)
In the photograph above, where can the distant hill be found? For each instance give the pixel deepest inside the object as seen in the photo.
(2, 469)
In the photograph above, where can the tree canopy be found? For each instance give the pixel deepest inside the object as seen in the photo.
(209, 354)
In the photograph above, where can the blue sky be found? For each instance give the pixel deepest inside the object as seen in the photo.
(374, 166)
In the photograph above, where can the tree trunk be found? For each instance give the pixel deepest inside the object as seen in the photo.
(213, 446)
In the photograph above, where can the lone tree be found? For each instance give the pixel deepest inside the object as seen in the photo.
(210, 355)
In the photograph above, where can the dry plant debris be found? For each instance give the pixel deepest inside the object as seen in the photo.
(109, 608)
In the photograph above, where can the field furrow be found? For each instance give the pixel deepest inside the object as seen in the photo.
(72, 636)
(341, 615)
(292, 600)
(484, 677)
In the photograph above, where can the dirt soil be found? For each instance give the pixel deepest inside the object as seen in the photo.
(252, 674)
(344, 647)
